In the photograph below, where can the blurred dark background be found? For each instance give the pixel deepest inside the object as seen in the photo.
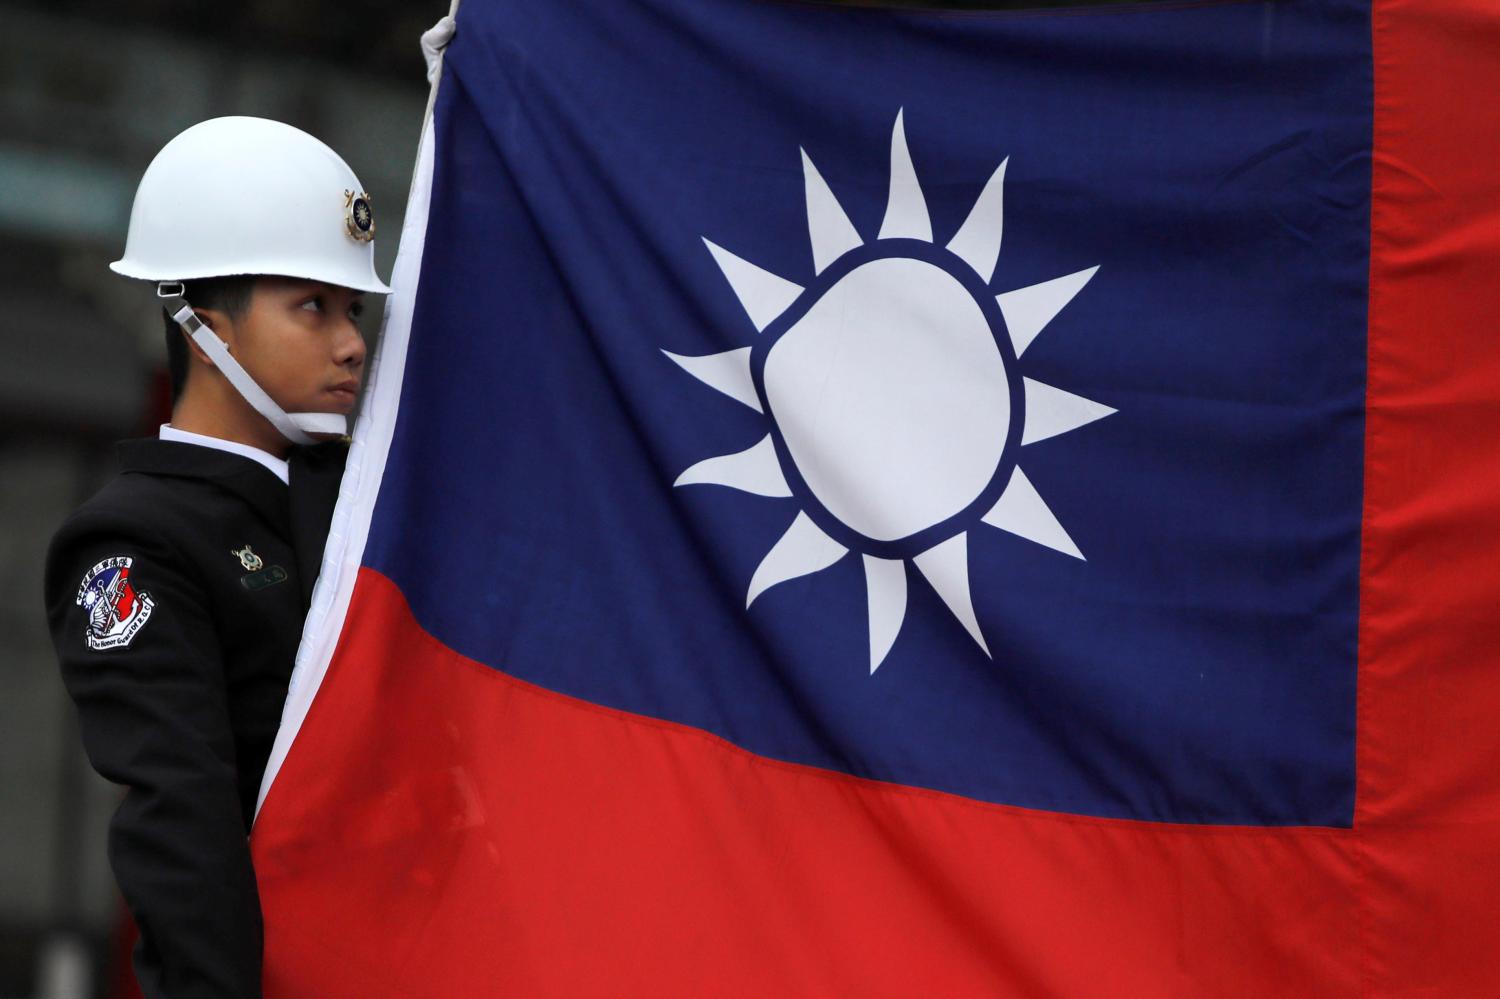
(89, 91)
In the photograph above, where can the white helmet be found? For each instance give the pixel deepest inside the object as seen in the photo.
(237, 195)
(250, 196)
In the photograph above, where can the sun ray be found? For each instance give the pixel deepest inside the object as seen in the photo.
(803, 549)
(906, 208)
(885, 594)
(754, 470)
(977, 242)
(727, 372)
(833, 235)
(946, 567)
(1051, 411)
(837, 389)
(763, 295)
(1028, 310)
(1021, 511)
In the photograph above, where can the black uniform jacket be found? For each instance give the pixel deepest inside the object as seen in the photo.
(176, 597)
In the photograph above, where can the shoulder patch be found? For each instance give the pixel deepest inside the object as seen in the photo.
(117, 610)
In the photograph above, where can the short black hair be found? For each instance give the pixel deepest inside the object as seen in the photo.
(222, 294)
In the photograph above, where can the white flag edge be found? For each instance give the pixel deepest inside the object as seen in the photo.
(369, 447)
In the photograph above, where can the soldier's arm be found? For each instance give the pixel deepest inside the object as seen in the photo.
(146, 676)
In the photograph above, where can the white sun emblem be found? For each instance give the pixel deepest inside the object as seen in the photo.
(894, 395)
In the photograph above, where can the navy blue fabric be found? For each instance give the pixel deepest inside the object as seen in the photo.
(1213, 160)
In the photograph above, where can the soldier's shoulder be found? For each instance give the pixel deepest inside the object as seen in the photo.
(100, 539)
(131, 510)
(130, 502)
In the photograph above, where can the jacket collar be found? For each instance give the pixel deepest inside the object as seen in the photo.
(242, 476)
(301, 513)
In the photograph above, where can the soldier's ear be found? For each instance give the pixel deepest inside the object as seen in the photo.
(223, 328)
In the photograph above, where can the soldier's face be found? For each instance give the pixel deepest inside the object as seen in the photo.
(300, 341)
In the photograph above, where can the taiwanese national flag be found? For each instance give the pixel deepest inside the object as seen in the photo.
(868, 502)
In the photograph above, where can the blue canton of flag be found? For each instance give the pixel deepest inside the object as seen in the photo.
(958, 418)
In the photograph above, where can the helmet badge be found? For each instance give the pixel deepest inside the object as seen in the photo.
(359, 219)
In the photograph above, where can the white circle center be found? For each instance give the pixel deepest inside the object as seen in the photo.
(892, 397)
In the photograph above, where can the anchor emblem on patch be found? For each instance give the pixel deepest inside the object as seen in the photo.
(249, 560)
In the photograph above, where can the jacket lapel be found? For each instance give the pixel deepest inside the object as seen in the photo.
(316, 473)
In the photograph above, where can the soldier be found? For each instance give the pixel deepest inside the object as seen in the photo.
(176, 595)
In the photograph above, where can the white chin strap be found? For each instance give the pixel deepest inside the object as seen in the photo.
(295, 427)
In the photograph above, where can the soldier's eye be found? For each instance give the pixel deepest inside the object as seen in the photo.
(313, 304)
(356, 310)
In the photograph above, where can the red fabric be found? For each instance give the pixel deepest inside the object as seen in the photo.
(1428, 806)
(446, 830)
(119, 971)
(441, 829)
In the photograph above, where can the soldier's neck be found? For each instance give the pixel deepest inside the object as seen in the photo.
(216, 410)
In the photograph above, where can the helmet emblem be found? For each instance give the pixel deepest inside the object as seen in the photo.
(250, 561)
(359, 219)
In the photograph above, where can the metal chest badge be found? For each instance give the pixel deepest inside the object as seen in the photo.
(359, 218)
(116, 609)
(257, 576)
